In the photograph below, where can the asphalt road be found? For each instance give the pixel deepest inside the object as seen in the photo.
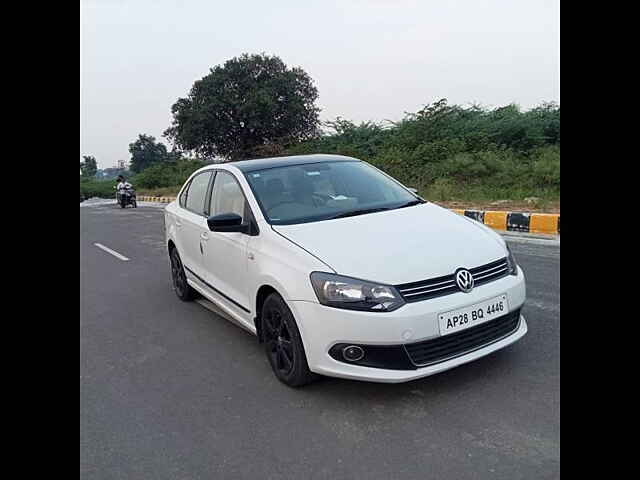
(169, 390)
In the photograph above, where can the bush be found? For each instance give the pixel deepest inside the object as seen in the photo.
(97, 188)
(447, 152)
(546, 167)
(160, 192)
(164, 177)
(455, 153)
(166, 174)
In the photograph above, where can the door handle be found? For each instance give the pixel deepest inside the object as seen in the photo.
(204, 236)
(178, 224)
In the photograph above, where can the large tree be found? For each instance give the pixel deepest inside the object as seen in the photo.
(145, 151)
(88, 166)
(248, 106)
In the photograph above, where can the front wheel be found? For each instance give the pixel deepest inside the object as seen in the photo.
(283, 344)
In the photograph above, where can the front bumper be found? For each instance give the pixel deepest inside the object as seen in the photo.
(323, 327)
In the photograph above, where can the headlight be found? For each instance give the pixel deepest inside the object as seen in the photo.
(511, 263)
(353, 294)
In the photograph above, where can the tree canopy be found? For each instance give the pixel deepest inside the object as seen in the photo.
(145, 151)
(251, 105)
(88, 166)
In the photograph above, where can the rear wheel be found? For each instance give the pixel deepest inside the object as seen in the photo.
(183, 290)
(283, 344)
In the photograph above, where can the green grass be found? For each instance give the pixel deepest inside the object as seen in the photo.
(445, 190)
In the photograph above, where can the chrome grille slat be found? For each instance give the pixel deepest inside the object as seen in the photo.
(450, 282)
(504, 269)
(502, 265)
(446, 285)
(429, 290)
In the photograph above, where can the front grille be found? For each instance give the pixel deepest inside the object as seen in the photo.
(489, 272)
(456, 344)
(440, 286)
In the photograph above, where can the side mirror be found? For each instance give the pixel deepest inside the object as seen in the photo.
(413, 190)
(226, 222)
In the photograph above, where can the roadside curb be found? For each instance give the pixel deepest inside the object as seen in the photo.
(548, 223)
(144, 198)
(534, 238)
(524, 222)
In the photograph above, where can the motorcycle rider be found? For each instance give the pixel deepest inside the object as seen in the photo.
(122, 186)
(122, 183)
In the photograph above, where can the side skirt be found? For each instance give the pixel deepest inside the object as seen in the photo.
(228, 312)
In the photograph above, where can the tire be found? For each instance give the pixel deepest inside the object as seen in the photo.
(123, 203)
(183, 290)
(135, 204)
(283, 344)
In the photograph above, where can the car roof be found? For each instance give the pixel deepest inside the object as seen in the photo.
(263, 163)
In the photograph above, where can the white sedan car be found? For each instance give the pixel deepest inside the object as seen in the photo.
(340, 270)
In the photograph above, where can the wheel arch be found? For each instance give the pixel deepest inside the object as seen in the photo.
(261, 295)
(171, 245)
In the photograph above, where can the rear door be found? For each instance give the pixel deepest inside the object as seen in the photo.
(192, 227)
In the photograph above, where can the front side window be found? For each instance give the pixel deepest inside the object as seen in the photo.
(197, 192)
(322, 191)
(227, 196)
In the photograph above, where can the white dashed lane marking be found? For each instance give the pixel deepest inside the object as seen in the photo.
(112, 252)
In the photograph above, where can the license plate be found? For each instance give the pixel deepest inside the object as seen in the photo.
(473, 315)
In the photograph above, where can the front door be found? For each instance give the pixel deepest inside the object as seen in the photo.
(225, 254)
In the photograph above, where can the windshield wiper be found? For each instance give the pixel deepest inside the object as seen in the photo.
(410, 203)
(362, 211)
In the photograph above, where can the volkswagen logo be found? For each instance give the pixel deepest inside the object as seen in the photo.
(464, 279)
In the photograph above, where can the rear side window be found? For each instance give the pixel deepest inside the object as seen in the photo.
(197, 192)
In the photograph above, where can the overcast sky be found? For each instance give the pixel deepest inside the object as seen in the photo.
(370, 59)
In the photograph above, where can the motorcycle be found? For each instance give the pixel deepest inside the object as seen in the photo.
(126, 196)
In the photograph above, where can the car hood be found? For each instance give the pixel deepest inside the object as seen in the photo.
(398, 246)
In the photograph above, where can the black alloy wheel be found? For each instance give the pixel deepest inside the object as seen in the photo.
(283, 344)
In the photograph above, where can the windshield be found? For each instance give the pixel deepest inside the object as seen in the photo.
(321, 191)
